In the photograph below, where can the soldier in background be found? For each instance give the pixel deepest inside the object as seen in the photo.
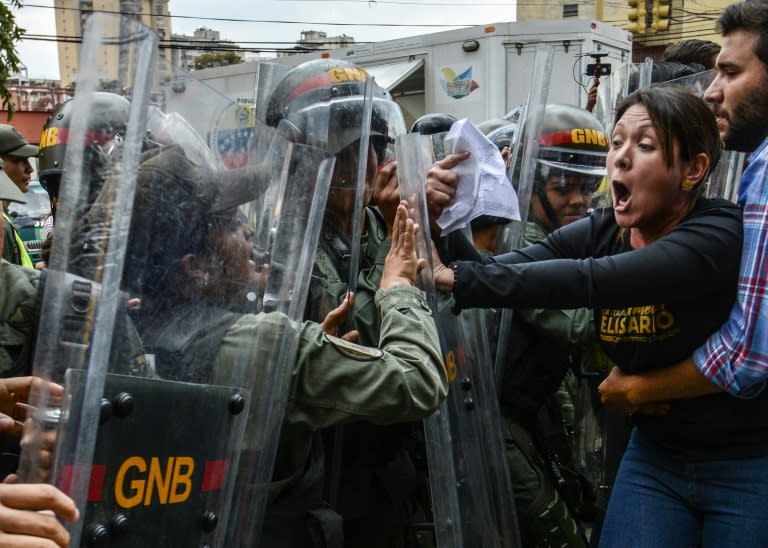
(186, 320)
(553, 349)
(21, 521)
(15, 152)
(372, 478)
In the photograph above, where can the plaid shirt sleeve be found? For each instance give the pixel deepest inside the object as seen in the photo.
(736, 357)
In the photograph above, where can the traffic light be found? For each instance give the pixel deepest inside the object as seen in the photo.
(636, 16)
(661, 10)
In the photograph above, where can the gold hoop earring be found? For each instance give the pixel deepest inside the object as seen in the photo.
(686, 184)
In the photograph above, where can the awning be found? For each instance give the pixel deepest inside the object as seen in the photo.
(389, 76)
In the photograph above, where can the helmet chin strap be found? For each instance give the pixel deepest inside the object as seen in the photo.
(552, 222)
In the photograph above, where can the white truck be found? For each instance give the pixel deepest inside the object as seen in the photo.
(477, 72)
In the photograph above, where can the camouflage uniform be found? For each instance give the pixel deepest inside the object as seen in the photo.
(380, 490)
(539, 440)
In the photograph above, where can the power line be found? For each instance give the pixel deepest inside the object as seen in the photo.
(192, 46)
(270, 21)
(690, 19)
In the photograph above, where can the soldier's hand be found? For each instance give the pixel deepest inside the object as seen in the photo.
(401, 264)
(386, 193)
(15, 392)
(28, 516)
(39, 441)
(441, 187)
(592, 96)
(335, 319)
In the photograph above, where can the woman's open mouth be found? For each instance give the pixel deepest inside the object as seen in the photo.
(621, 196)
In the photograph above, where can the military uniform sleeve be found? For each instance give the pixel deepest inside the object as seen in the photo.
(334, 381)
(18, 294)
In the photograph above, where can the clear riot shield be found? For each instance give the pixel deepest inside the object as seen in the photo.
(338, 108)
(623, 80)
(723, 182)
(695, 83)
(268, 77)
(224, 125)
(413, 165)
(233, 138)
(191, 277)
(473, 504)
(283, 188)
(82, 331)
(352, 128)
(645, 75)
(293, 237)
(522, 163)
(522, 169)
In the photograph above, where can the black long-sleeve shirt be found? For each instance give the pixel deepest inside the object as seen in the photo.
(653, 307)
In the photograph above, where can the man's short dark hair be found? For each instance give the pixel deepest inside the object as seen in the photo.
(693, 50)
(751, 15)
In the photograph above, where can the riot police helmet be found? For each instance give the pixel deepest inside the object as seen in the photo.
(320, 103)
(573, 146)
(488, 126)
(572, 140)
(429, 124)
(503, 136)
(106, 126)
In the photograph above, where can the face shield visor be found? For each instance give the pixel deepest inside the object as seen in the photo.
(562, 169)
(585, 162)
(173, 129)
(334, 125)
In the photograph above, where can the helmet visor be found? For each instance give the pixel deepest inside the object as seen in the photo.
(334, 125)
(588, 163)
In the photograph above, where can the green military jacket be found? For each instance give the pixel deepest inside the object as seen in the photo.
(333, 381)
(327, 289)
(18, 321)
(570, 326)
(18, 293)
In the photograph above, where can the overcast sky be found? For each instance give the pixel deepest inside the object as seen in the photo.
(364, 21)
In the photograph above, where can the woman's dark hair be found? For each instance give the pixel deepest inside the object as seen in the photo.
(165, 226)
(751, 15)
(678, 116)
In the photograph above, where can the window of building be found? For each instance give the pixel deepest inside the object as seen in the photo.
(570, 10)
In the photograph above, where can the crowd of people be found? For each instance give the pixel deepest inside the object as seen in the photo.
(633, 382)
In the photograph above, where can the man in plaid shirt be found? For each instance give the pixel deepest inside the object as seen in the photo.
(734, 359)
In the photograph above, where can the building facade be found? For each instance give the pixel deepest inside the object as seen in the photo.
(313, 40)
(186, 48)
(655, 24)
(70, 21)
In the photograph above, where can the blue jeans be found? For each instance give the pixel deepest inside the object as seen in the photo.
(658, 502)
